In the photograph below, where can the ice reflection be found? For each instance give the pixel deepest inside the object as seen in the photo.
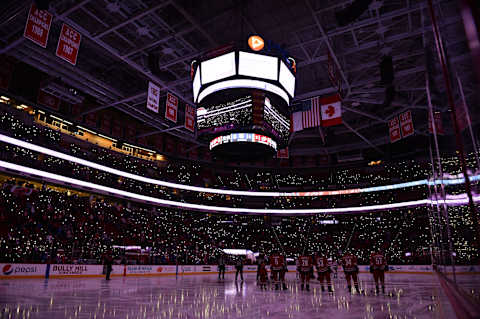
(205, 297)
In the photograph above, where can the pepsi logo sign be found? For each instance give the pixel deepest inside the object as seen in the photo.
(7, 269)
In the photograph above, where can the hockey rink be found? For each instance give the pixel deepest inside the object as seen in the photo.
(204, 296)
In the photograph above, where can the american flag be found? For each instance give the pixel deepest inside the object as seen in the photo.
(312, 117)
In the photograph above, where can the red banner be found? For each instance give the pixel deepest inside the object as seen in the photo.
(190, 118)
(38, 26)
(461, 116)
(406, 124)
(69, 44)
(48, 100)
(283, 153)
(438, 123)
(394, 128)
(171, 107)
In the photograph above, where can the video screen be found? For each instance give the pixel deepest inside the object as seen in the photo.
(287, 79)
(233, 113)
(279, 123)
(218, 68)
(259, 66)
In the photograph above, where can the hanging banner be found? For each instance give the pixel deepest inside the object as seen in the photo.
(394, 129)
(438, 123)
(283, 153)
(38, 26)
(68, 44)
(171, 107)
(461, 116)
(153, 98)
(190, 118)
(406, 124)
(333, 73)
(48, 100)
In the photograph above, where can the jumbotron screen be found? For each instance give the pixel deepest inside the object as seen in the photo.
(237, 112)
(242, 102)
(275, 121)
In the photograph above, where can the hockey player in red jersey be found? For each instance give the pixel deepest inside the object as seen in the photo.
(323, 270)
(378, 266)
(262, 275)
(305, 264)
(350, 267)
(277, 266)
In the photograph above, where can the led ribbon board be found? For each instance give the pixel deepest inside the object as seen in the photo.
(214, 209)
(243, 137)
(44, 150)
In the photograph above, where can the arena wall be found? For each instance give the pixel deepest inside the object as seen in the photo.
(9, 271)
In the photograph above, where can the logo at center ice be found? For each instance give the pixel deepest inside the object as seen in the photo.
(7, 269)
(159, 269)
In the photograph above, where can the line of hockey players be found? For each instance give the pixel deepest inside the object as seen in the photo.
(305, 270)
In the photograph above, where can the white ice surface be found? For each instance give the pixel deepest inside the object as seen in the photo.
(203, 296)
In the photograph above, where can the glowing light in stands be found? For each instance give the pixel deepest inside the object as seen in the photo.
(214, 209)
(40, 149)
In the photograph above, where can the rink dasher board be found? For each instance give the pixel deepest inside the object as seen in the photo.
(18, 271)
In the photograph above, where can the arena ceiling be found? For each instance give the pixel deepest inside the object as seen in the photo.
(119, 35)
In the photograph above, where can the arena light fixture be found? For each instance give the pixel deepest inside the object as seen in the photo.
(44, 150)
(214, 209)
(244, 83)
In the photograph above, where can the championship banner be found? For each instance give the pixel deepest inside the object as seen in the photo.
(68, 44)
(38, 25)
(171, 107)
(48, 100)
(283, 153)
(461, 117)
(190, 118)
(394, 129)
(406, 124)
(438, 123)
(153, 98)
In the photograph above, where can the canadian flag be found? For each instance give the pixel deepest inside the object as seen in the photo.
(331, 110)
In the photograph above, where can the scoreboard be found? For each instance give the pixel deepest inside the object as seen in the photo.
(242, 102)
